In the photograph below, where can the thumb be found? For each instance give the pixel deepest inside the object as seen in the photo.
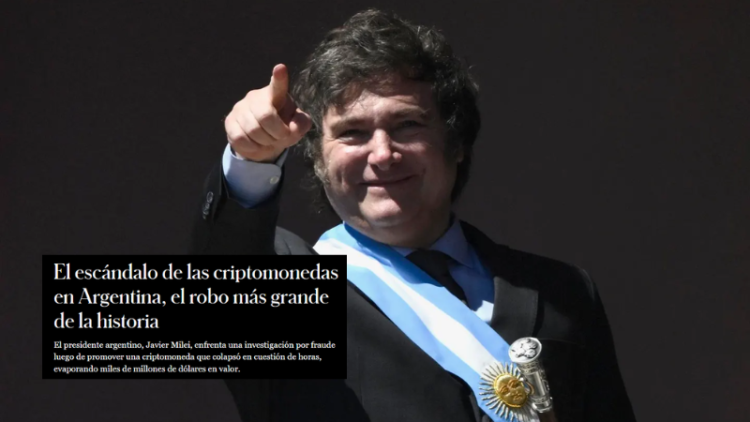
(279, 86)
(300, 123)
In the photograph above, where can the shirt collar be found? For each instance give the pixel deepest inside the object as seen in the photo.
(452, 243)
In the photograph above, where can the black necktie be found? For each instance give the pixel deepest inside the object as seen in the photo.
(435, 263)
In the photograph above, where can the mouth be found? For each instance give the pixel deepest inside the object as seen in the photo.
(388, 183)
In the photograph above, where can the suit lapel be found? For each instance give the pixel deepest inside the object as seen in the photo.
(515, 309)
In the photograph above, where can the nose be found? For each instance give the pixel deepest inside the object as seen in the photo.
(382, 154)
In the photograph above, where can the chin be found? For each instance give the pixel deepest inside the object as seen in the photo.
(387, 214)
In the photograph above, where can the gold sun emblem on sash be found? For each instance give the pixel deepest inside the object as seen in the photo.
(504, 391)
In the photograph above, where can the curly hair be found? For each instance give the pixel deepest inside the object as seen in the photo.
(368, 48)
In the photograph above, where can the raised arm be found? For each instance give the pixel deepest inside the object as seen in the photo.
(239, 205)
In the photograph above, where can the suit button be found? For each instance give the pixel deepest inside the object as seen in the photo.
(274, 180)
(207, 204)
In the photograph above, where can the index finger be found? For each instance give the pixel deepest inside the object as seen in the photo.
(279, 86)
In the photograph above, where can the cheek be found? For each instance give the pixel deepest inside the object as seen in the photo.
(343, 166)
(442, 173)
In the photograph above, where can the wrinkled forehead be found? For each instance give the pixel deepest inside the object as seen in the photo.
(394, 94)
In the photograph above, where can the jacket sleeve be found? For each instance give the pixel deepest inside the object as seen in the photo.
(606, 398)
(223, 226)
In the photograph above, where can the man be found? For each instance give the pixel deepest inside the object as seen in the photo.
(388, 117)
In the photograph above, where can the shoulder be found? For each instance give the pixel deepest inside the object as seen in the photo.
(547, 275)
(552, 273)
(566, 295)
(289, 243)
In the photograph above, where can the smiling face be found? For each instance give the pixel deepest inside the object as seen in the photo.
(384, 165)
(511, 390)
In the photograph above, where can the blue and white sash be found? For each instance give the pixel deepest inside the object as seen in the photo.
(432, 317)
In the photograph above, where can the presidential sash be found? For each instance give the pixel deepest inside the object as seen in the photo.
(435, 320)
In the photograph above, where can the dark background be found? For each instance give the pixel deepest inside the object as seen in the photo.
(615, 137)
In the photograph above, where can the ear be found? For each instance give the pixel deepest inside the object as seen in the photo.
(320, 170)
(460, 154)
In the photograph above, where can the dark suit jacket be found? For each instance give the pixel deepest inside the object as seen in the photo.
(391, 379)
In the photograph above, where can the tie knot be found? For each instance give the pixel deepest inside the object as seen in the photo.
(435, 263)
(430, 261)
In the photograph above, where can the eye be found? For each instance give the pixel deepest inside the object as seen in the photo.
(353, 134)
(409, 124)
